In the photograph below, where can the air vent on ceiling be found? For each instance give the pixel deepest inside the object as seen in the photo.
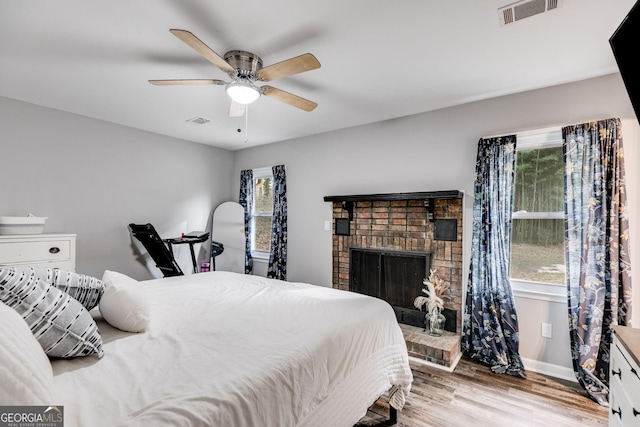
(524, 9)
(198, 120)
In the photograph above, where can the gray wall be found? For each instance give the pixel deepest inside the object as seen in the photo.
(93, 178)
(429, 152)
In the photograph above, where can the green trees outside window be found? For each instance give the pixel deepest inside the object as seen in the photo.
(537, 235)
(262, 213)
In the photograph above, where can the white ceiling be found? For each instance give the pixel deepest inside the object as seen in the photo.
(380, 59)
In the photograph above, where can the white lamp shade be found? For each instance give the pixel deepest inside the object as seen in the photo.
(242, 92)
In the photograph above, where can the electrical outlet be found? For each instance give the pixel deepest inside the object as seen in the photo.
(546, 330)
(327, 226)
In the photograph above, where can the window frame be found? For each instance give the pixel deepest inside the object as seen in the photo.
(535, 140)
(259, 173)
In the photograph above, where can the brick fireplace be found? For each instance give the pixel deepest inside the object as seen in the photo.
(426, 222)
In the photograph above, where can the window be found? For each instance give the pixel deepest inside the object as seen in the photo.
(537, 235)
(262, 212)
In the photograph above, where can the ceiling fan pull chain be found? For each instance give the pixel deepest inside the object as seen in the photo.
(246, 123)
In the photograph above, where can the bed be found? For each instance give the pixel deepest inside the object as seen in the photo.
(228, 349)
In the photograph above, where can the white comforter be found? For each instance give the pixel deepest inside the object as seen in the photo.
(227, 349)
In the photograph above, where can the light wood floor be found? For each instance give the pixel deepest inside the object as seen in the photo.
(474, 396)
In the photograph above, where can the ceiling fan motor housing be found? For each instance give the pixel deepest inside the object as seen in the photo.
(245, 63)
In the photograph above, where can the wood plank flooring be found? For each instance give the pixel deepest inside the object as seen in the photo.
(474, 396)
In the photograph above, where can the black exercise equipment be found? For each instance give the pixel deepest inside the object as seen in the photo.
(155, 246)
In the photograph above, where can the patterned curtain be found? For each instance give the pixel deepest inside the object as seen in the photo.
(246, 200)
(490, 325)
(597, 248)
(278, 251)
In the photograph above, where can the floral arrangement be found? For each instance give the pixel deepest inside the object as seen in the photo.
(436, 291)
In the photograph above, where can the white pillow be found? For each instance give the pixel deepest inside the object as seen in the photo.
(124, 303)
(25, 371)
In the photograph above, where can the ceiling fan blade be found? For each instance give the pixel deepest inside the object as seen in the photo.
(236, 109)
(204, 50)
(299, 64)
(175, 82)
(288, 98)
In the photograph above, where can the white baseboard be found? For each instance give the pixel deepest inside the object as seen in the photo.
(544, 368)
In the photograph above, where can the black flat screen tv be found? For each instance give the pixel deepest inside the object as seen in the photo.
(625, 43)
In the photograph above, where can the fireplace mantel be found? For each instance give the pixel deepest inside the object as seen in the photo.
(348, 201)
(424, 195)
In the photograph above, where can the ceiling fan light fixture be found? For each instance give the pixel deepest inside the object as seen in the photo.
(243, 92)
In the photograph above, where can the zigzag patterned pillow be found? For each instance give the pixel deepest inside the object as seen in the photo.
(62, 326)
(86, 289)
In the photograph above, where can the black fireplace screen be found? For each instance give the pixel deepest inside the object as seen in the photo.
(394, 276)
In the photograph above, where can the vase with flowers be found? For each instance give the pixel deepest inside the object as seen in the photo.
(436, 291)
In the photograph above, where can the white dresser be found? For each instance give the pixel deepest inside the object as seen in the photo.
(624, 377)
(39, 250)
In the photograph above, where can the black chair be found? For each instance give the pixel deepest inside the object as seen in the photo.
(148, 236)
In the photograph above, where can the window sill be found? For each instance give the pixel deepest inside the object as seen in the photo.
(260, 256)
(540, 291)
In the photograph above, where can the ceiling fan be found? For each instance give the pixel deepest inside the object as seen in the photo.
(245, 69)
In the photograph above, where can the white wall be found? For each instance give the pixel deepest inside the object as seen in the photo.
(93, 178)
(429, 152)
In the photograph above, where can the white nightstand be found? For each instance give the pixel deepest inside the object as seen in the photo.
(39, 250)
(624, 377)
